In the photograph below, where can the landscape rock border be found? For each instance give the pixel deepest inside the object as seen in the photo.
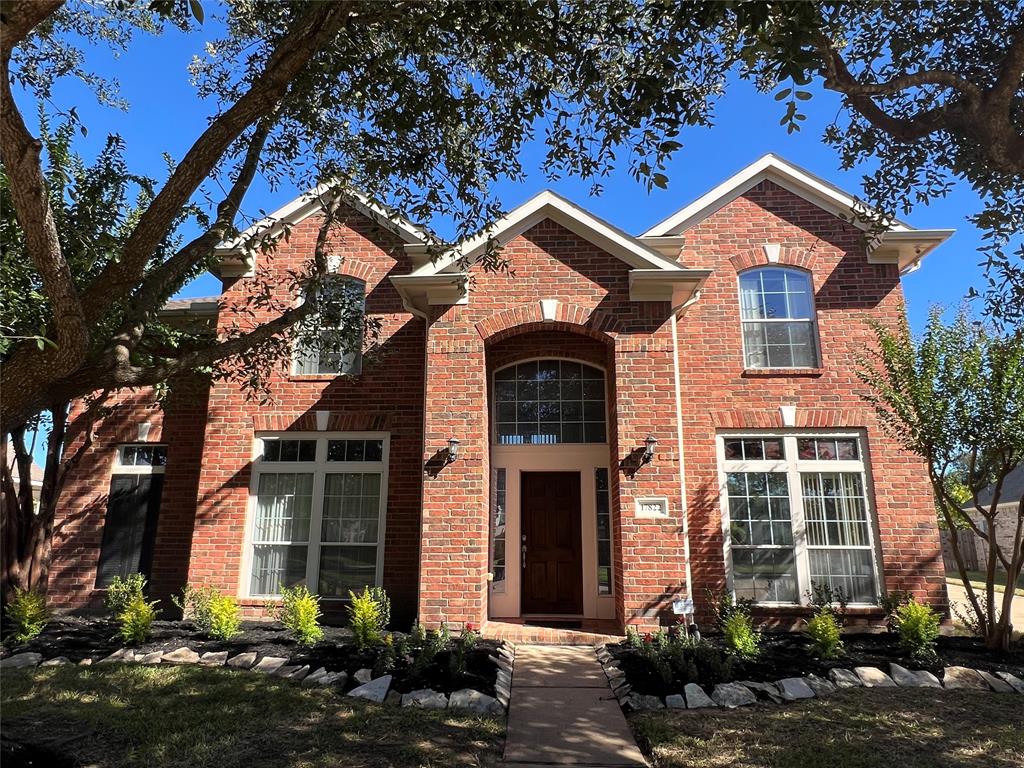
(747, 692)
(377, 690)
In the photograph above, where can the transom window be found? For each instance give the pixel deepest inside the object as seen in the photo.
(146, 457)
(777, 312)
(318, 510)
(543, 402)
(797, 517)
(331, 339)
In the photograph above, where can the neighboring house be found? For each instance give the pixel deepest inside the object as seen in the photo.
(973, 548)
(639, 419)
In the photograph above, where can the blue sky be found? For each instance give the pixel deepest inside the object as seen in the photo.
(166, 116)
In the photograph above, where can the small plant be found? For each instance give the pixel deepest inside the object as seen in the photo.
(724, 606)
(194, 605)
(368, 616)
(633, 638)
(741, 638)
(890, 602)
(433, 643)
(465, 643)
(28, 613)
(918, 627)
(136, 620)
(824, 630)
(824, 596)
(123, 591)
(385, 663)
(299, 611)
(225, 617)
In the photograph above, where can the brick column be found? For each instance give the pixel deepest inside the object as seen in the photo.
(453, 544)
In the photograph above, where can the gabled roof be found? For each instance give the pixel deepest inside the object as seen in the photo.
(900, 244)
(1011, 492)
(232, 257)
(551, 205)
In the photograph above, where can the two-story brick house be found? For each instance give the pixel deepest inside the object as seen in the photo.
(620, 422)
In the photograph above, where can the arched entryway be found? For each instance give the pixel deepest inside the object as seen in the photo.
(551, 427)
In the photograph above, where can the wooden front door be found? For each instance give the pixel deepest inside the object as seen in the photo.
(553, 548)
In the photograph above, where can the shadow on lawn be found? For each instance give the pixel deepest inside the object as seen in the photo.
(916, 728)
(120, 716)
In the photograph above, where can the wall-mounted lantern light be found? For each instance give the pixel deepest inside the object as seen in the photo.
(453, 449)
(649, 445)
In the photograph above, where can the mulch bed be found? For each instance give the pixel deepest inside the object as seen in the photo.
(789, 655)
(78, 638)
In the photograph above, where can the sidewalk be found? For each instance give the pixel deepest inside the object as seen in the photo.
(562, 712)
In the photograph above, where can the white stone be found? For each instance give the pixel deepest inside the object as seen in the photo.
(675, 701)
(375, 690)
(153, 657)
(995, 683)
(363, 676)
(85, 662)
(767, 689)
(696, 698)
(299, 674)
(794, 688)
(334, 678)
(213, 658)
(872, 677)
(475, 701)
(242, 660)
(181, 656)
(313, 678)
(907, 678)
(732, 695)
(60, 661)
(844, 678)
(269, 664)
(1015, 682)
(642, 702)
(123, 655)
(287, 670)
(425, 698)
(820, 685)
(963, 677)
(21, 660)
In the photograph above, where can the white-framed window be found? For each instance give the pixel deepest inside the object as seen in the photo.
(547, 402)
(318, 504)
(602, 498)
(141, 458)
(777, 315)
(796, 512)
(338, 327)
(499, 496)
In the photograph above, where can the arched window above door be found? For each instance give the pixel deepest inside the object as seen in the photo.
(546, 402)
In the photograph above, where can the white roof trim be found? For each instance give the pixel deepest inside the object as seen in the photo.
(550, 205)
(311, 202)
(792, 177)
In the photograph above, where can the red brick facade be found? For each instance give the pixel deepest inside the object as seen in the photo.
(429, 379)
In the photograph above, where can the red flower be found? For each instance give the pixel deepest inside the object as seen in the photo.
(648, 638)
(469, 626)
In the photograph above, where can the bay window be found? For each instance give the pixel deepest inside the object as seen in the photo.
(317, 513)
(796, 514)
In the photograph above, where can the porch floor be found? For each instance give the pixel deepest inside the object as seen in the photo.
(592, 632)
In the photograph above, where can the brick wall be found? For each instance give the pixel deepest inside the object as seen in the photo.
(718, 393)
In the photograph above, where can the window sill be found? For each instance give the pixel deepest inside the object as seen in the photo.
(320, 376)
(800, 610)
(770, 372)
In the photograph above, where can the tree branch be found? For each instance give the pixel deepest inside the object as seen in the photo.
(18, 18)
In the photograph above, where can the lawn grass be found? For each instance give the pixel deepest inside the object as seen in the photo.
(977, 579)
(860, 728)
(116, 716)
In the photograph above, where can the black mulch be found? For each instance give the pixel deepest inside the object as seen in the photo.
(789, 655)
(78, 638)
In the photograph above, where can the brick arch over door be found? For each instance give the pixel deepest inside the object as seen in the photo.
(594, 323)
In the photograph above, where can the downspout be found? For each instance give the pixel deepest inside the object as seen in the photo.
(679, 438)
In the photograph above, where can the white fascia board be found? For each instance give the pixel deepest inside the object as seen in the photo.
(792, 177)
(550, 205)
(311, 202)
(906, 249)
(419, 292)
(675, 286)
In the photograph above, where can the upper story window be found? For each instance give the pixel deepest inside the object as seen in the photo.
(777, 311)
(544, 402)
(333, 342)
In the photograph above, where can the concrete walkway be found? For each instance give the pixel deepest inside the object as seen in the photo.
(562, 712)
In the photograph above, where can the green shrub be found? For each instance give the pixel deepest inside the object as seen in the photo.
(890, 602)
(214, 614)
(225, 617)
(741, 638)
(299, 611)
(136, 620)
(122, 592)
(824, 631)
(678, 657)
(385, 663)
(368, 616)
(823, 596)
(434, 641)
(465, 643)
(918, 627)
(724, 606)
(28, 613)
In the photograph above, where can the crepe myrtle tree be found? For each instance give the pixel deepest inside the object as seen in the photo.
(955, 397)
